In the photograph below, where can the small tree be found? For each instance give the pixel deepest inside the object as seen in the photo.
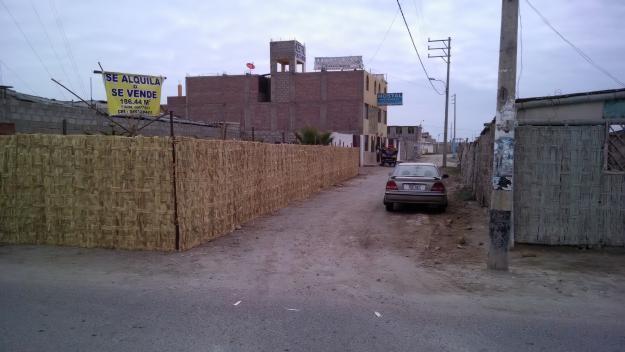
(312, 136)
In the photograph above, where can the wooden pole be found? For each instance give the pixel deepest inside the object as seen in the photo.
(174, 185)
(92, 107)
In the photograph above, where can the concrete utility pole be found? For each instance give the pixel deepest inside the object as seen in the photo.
(446, 57)
(503, 160)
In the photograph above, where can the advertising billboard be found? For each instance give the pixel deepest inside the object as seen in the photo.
(134, 95)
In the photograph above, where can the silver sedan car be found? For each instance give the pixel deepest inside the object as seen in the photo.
(416, 183)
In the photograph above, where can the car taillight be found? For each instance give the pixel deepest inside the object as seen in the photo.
(391, 186)
(438, 187)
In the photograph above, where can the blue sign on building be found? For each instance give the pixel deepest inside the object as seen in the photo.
(390, 99)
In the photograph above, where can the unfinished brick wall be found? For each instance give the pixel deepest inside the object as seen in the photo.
(331, 101)
(178, 105)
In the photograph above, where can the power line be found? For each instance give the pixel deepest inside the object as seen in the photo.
(45, 31)
(28, 42)
(415, 49)
(384, 39)
(18, 77)
(420, 21)
(578, 50)
(68, 48)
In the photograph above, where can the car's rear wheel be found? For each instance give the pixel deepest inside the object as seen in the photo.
(389, 206)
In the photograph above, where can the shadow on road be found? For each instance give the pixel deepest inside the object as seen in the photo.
(416, 209)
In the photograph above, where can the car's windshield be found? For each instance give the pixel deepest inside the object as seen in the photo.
(416, 171)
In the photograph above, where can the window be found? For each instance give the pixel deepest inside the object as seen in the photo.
(367, 86)
(615, 147)
(366, 143)
(379, 116)
(264, 89)
(366, 111)
(416, 171)
(385, 117)
(398, 130)
(410, 130)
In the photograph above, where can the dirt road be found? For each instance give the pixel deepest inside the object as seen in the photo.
(332, 273)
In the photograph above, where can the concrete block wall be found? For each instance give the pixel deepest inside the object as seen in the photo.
(31, 114)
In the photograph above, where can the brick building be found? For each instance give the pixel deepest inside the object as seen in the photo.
(288, 98)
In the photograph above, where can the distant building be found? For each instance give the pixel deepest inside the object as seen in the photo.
(409, 138)
(428, 143)
(288, 98)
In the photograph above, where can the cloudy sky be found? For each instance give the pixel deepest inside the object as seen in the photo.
(66, 39)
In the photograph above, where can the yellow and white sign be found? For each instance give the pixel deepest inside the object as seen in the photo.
(132, 95)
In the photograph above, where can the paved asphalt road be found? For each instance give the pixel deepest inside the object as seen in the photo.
(326, 274)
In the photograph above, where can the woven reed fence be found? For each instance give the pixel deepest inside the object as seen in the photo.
(116, 192)
(222, 184)
(88, 191)
(476, 165)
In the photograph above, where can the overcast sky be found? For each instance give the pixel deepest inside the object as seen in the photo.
(180, 38)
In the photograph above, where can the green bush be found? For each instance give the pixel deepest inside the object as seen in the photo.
(312, 136)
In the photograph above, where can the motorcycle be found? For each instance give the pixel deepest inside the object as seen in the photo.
(388, 156)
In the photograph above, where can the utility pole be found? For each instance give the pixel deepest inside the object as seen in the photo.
(446, 57)
(90, 91)
(500, 227)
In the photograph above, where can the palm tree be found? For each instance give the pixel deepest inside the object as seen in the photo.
(312, 136)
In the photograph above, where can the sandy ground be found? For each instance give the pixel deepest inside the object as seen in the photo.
(333, 273)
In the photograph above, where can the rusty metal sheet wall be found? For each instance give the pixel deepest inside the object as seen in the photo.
(561, 194)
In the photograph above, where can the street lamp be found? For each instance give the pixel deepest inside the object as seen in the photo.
(438, 80)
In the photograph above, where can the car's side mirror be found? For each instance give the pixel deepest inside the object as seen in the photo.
(445, 176)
